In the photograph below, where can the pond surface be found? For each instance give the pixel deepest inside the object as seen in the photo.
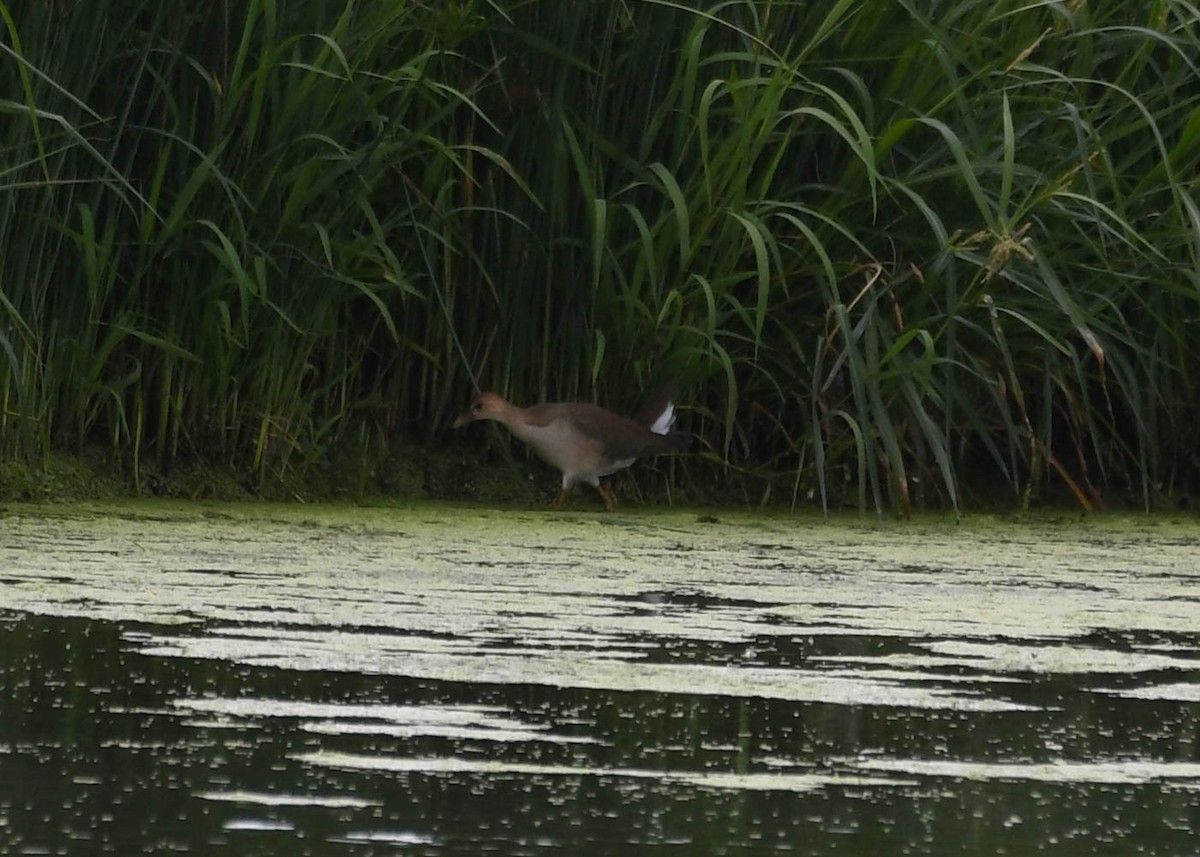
(234, 680)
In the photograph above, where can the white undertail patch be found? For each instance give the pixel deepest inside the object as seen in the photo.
(665, 420)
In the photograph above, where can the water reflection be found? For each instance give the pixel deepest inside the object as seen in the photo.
(107, 749)
(233, 704)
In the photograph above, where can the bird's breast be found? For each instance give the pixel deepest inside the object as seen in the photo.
(559, 444)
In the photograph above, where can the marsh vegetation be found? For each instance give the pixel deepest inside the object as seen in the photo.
(893, 254)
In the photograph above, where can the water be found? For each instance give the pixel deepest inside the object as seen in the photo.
(440, 681)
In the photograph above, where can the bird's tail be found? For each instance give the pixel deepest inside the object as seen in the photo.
(658, 414)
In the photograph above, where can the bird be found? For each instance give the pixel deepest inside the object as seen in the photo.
(584, 441)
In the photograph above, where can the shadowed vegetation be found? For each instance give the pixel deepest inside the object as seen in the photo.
(891, 254)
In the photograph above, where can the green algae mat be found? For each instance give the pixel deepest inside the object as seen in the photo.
(455, 680)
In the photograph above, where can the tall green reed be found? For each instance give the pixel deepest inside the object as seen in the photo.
(220, 222)
(896, 243)
(891, 254)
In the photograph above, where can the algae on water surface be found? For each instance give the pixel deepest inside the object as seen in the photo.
(407, 676)
(655, 601)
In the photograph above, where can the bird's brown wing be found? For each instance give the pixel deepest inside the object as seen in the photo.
(625, 438)
(621, 437)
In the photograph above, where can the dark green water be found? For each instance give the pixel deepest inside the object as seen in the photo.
(460, 717)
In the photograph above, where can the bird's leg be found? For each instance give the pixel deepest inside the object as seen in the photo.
(562, 499)
(606, 494)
